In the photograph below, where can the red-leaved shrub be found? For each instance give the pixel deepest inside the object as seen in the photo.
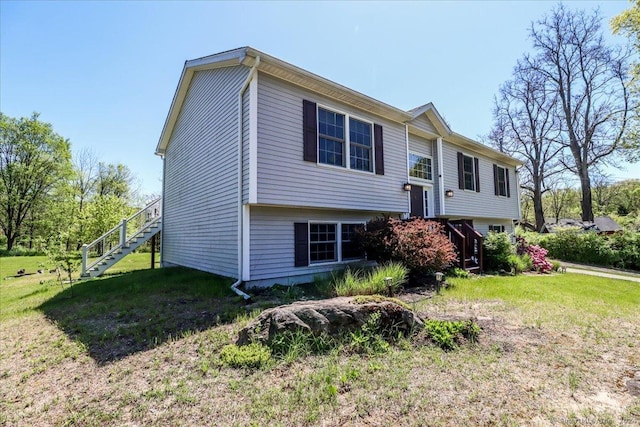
(419, 244)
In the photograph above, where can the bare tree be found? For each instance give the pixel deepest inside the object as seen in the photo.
(527, 127)
(590, 80)
(85, 165)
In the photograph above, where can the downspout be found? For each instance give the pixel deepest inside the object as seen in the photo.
(517, 173)
(164, 173)
(234, 287)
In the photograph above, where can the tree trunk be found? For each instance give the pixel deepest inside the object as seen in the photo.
(586, 203)
(537, 209)
(11, 239)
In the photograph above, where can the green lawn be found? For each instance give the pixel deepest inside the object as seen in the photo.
(143, 347)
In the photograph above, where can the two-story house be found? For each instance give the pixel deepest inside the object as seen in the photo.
(268, 170)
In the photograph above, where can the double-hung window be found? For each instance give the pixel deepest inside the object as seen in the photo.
(331, 142)
(334, 147)
(501, 181)
(469, 173)
(323, 243)
(420, 167)
(360, 150)
(333, 242)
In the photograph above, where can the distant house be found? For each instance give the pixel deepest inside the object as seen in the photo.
(269, 170)
(600, 225)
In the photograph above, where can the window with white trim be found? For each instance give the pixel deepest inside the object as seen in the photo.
(469, 173)
(323, 243)
(333, 242)
(496, 228)
(350, 248)
(342, 137)
(420, 167)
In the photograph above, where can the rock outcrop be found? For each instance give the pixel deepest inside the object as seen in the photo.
(330, 316)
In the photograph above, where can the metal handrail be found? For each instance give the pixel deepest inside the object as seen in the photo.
(123, 240)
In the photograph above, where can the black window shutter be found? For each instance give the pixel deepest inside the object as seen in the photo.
(460, 171)
(477, 174)
(379, 152)
(310, 131)
(495, 180)
(506, 177)
(301, 244)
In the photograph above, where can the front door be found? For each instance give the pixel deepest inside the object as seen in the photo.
(420, 198)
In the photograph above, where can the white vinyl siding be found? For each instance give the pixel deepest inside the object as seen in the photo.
(470, 204)
(284, 178)
(200, 223)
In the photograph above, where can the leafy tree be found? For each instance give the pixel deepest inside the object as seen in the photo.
(590, 79)
(114, 180)
(628, 23)
(33, 158)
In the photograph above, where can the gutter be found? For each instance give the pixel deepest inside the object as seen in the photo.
(234, 287)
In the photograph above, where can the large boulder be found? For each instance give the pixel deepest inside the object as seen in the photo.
(330, 316)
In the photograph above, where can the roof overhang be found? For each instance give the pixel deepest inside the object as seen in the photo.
(273, 66)
(246, 56)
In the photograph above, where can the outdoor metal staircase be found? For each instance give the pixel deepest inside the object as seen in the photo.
(121, 240)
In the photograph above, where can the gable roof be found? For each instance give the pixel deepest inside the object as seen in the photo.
(268, 64)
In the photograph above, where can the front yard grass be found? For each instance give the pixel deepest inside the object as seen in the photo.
(143, 348)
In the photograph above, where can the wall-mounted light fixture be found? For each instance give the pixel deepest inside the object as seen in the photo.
(406, 186)
(448, 193)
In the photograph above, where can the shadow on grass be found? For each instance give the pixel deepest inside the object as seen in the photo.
(120, 315)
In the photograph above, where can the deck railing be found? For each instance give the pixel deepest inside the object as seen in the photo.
(120, 235)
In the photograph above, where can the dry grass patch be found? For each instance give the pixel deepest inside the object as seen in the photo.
(537, 362)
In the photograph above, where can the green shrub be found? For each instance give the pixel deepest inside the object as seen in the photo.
(252, 356)
(556, 265)
(359, 282)
(520, 263)
(497, 248)
(420, 245)
(447, 333)
(626, 247)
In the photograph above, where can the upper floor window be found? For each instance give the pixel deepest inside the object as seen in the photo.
(420, 167)
(468, 176)
(469, 173)
(330, 137)
(501, 181)
(334, 147)
(360, 145)
(339, 139)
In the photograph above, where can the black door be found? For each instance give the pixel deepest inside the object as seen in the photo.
(417, 201)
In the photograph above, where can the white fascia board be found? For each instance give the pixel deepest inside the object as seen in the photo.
(253, 139)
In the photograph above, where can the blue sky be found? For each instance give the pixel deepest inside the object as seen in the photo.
(104, 73)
